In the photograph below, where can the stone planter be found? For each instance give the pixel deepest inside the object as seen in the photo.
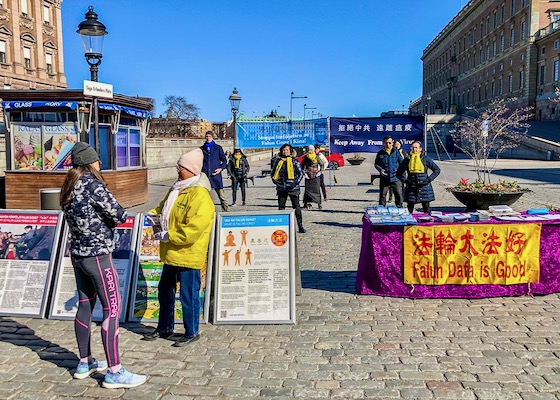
(355, 161)
(482, 200)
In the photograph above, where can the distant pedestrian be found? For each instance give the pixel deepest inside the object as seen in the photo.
(418, 184)
(312, 172)
(324, 164)
(387, 162)
(287, 175)
(215, 162)
(238, 170)
(92, 213)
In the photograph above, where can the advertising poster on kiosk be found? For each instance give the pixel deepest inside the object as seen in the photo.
(28, 248)
(144, 305)
(65, 298)
(255, 268)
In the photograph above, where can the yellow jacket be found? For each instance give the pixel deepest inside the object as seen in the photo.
(190, 224)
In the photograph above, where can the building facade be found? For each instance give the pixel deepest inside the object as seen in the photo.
(492, 49)
(31, 54)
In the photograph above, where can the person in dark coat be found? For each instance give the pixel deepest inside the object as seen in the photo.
(387, 162)
(418, 186)
(215, 162)
(286, 175)
(238, 170)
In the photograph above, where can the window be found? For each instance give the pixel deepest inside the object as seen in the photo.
(522, 56)
(494, 48)
(511, 37)
(502, 43)
(512, 7)
(501, 86)
(27, 58)
(555, 70)
(510, 83)
(480, 59)
(46, 15)
(541, 75)
(523, 30)
(487, 51)
(503, 13)
(524, 3)
(23, 6)
(481, 29)
(48, 62)
(521, 80)
(2, 52)
(543, 50)
(495, 19)
(128, 147)
(556, 44)
(493, 89)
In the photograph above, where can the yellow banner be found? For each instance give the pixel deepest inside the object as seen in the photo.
(503, 254)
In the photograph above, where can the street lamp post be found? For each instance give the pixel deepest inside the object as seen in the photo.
(305, 108)
(292, 97)
(92, 33)
(234, 100)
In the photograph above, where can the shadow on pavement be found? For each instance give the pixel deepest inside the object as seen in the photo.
(21, 335)
(331, 281)
(548, 175)
(341, 224)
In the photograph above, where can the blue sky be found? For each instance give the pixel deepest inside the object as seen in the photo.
(350, 57)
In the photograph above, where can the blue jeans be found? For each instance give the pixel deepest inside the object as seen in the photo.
(189, 281)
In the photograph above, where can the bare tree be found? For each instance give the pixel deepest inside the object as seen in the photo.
(488, 134)
(178, 107)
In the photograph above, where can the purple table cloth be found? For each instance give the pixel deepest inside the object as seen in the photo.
(380, 269)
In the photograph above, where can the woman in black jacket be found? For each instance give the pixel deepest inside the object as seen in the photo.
(238, 170)
(418, 186)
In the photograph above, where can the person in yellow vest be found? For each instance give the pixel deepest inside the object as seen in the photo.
(418, 186)
(186, 215)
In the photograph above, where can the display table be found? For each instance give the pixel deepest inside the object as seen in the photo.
(380, 269)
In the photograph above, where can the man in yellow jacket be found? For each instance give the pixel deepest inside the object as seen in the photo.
(186, 215)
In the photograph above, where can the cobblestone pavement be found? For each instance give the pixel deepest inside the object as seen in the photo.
(343, 345)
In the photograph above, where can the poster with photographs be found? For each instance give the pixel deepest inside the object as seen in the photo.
(65, 299)
(255, 268)
(144, 297)
(28, 248)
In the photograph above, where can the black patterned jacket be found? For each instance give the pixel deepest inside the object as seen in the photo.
(92, 216)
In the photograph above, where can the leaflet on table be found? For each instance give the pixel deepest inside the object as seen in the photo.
(65, 299)
(381, 215)
(255, 281)
(29, 241)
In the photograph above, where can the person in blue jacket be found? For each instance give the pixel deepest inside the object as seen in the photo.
(215, 162)
(387, 163)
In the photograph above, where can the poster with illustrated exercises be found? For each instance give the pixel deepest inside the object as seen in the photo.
(65, 298)
(144, 304)
(255, 268)
(28, 247)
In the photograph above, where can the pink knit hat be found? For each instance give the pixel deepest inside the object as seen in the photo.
(192, 161)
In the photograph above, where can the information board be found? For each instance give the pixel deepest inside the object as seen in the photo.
(65, 297)
(144, 304)
(28, 248)
(255, 268)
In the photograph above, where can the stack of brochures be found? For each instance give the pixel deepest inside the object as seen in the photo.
(380, 215)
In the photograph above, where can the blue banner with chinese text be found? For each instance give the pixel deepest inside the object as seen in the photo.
(365, 135)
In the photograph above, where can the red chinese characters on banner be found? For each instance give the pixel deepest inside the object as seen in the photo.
(472, 253)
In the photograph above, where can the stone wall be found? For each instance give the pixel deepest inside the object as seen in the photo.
(162, 155)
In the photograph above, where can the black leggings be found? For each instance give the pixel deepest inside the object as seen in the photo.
(294, 198)
(97, 277)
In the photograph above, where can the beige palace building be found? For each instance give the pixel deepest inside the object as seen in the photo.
(31, 54)
(491, 49)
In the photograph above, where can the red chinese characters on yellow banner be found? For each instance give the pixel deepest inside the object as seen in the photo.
(504, 254)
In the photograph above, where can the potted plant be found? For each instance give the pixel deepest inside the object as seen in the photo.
(356, 159)
(484, 137)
